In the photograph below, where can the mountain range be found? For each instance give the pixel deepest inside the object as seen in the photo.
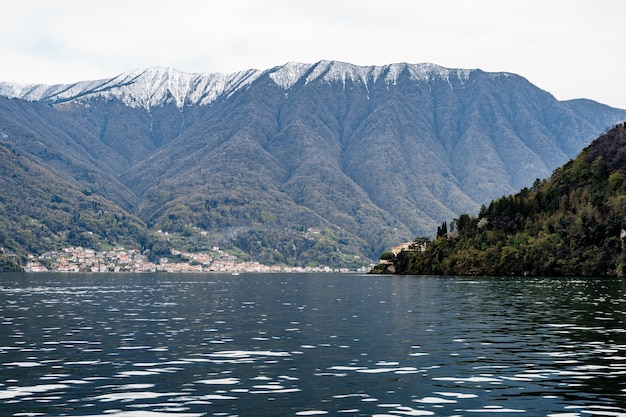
(302, 163)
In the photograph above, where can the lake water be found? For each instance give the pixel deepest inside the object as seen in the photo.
(155, 345)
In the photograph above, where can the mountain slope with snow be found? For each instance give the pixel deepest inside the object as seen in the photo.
(155, 86)
(144, 88)
(369, 155)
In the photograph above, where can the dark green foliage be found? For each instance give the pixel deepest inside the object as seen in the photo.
(47, 212)
(388, 256)
(294, 248)
(9, 264)
(569, 225)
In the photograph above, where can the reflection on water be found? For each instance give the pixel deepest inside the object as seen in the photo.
(151, 345)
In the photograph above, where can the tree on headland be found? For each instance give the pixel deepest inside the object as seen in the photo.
(7, 264)
(442, 230)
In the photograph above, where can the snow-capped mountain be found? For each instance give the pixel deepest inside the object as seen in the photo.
(373, 155)
(333, 71)
(155, 86)
(144, 88)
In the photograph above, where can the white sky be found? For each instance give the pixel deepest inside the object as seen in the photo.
(571, 48)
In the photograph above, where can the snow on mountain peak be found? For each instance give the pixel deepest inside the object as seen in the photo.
(289, 74)
(149, 87)
(154, 86)
(145, 87)
(334, 71)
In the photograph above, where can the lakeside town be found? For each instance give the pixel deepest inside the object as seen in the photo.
(79, 259)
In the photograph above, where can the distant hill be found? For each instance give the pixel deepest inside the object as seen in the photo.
(41, 209)
(572, 224)
(326, 163)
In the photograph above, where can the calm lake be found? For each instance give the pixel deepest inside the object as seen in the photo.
(183, 345)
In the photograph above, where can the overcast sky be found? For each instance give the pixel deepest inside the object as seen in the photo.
(571, 48)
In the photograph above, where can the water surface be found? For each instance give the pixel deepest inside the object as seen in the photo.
(155, 345)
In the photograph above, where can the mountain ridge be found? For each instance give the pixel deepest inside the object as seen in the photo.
(154, 86)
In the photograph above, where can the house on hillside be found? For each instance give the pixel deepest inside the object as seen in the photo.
(387, 258)
(409, 246)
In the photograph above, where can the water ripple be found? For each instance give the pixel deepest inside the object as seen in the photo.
(151, 345)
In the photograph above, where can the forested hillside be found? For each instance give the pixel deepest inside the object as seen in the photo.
(572, 224)
(41, 211)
